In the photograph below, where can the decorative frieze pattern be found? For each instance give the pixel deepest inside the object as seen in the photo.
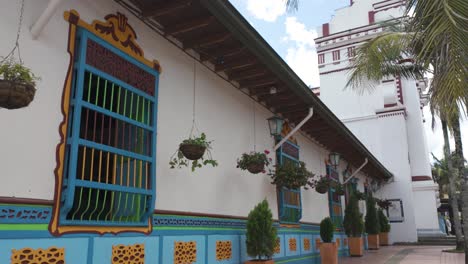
(132, 254)
(51, 255)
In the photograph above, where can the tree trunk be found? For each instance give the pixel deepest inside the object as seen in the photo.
(452, 188)
(461, 169)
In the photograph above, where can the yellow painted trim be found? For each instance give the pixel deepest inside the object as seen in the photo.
(73, 18)
(116, 31)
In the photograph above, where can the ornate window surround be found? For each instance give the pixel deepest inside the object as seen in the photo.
(119, 35)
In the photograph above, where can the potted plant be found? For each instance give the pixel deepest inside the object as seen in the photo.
(322, 185)
(372, 224)
(261, 234)
(193, 150)
(254, 162)
(17, 85)
(354, 226)
(383, 203)
(328, 249)
(360, 195)
(292, 176)
(339, 189)
(384, 229)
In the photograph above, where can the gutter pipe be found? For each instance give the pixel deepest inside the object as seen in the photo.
(311, 113)
(356, 172)
(42, 21)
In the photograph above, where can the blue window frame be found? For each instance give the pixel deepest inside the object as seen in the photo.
(110, 158)
(290, 204)
(334, 200)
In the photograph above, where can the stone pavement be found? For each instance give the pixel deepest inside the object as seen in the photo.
(407, 255)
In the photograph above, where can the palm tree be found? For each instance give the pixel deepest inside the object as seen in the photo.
(436, 41)
(452, 187)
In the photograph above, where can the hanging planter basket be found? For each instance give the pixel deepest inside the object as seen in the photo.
(192, 151)
(321, 188)
(256, 168)
(14, 95)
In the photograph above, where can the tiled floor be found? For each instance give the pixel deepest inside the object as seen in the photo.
(407, 255)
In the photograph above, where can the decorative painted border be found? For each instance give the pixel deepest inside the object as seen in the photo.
(125, 40)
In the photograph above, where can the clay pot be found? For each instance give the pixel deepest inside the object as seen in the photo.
(356, 246)
(383, 238)
(192, 152)
(14, 95)
(373, 242)
(256, 168)
(260, 262)
(329, 253)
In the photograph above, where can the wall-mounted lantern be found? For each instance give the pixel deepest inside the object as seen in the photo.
(276, 125)
(334, 159)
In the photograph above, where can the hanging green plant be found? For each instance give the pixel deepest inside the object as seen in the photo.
(383, 203)
(254, 162)
(360, 195)
(292, 176)
(322, 184)
(17, 82)
(195, 151)
(17, 85)
(339, 188)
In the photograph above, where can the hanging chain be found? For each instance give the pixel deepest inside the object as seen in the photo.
(17, 46)
(254, 127)
(194, 125)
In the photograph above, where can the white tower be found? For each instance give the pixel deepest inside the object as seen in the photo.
(388, 120)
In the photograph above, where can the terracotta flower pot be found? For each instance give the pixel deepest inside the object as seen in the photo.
(329, 253)
(14, 95)
(356, 246)
(373, 241)
(383, 238)
(270, 261)
(256, 168)
(192, 152)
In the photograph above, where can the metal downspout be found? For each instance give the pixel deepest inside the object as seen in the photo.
(42, 21)
(357, 171)
(311, 113)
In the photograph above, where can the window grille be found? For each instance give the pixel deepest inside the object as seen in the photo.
(111, 138)
(334, 200)
(290, 205)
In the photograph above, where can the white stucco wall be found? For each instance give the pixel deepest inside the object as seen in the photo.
(30, 135)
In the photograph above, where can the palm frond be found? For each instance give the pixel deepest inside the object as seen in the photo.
(443, 26)
(380, 58)
(292, 5)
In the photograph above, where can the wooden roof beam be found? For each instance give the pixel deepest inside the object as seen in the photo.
(238, 63)
(188, 26)
(158, 9)
(218, 52)
(206, 41)
(258, 83)
(294, 105)
(247, 74)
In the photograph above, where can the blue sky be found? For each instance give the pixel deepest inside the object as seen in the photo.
(292, 36)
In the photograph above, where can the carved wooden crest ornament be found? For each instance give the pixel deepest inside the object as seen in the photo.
(115, 30)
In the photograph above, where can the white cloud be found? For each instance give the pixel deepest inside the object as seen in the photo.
(301, 55)
(268, 10)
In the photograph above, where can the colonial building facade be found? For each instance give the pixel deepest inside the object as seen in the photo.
(85, 167)
(388, 119)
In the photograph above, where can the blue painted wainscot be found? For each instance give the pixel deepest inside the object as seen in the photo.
(176, 239)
